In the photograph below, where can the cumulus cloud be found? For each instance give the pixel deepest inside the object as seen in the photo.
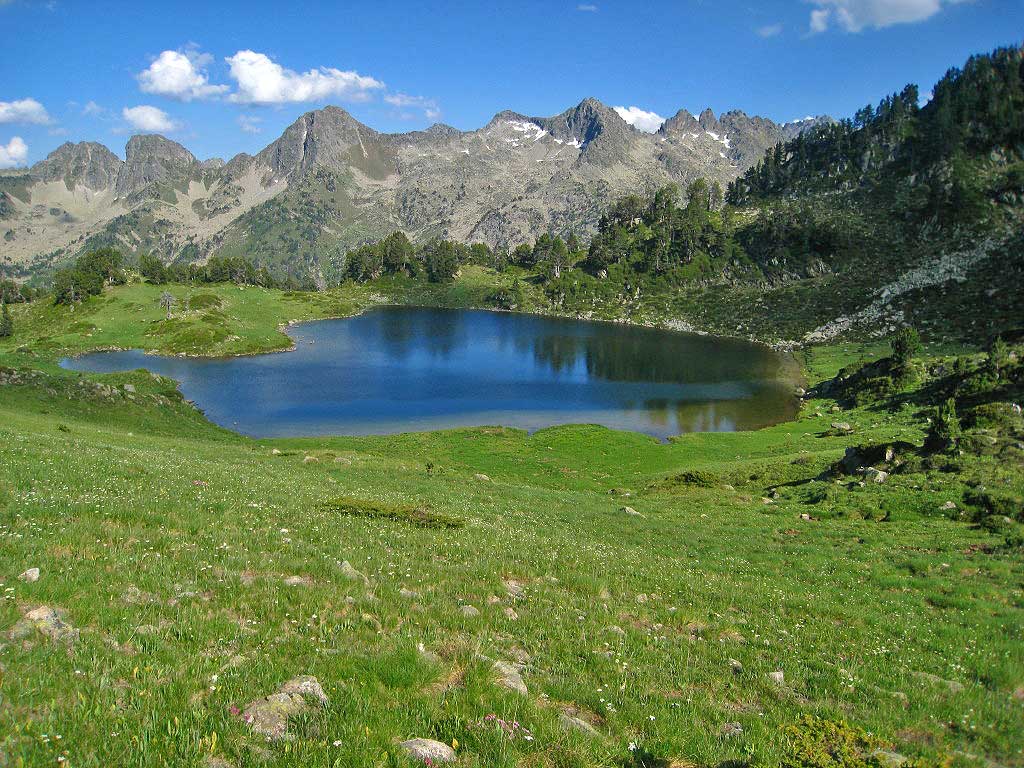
(146, 118)
(263, 81)
(250, 123)
(857, 15)
(23, 111)
(403, 101)
(769, 30)
(649, 122)
(14, 153)
(180, 75)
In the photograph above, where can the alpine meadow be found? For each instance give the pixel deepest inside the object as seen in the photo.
(599, 439)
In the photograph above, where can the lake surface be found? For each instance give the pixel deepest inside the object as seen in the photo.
(400, 369)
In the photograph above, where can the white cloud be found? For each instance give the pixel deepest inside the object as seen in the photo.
(857, 15)
(649, 122)
(23, 111)
(146, 118)
(402, 100)
(587, 8)
(819, 21)
(92, 109)
(250, 123)
(180, 75)
(264, 81)
(769, 30)
(14, 153)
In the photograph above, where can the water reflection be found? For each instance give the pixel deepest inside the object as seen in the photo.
(401, 369)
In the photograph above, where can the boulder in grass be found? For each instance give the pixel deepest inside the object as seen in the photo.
(29, 576)
(428, 751)
(509, 676)
(268, 717)
(46, 621)
(349, 572)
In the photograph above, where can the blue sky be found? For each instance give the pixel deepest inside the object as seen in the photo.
(227, 77)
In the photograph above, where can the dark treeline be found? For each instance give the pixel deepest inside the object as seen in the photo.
(219, 269)
(99, 268)
(972, 112)
(439, 260)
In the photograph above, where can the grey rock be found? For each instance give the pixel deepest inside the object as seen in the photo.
(46, 621)
(268, 717)
(570, 720)
(509, 676)
(428, 751)
(731, 730)
(778, 677)
(469, 611)
(348, 571)
(888, 759)
(515, 590)
(29, 576)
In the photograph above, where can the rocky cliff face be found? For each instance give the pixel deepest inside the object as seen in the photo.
(87, 164)
(330, 182)
(152, 159)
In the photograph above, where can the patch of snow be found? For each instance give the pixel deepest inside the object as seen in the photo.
(575, 143)
(523, 126)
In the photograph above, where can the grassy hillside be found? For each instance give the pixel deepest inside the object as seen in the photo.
(745, 611)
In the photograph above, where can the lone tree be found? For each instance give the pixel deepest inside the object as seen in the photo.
(6, 323)
(167, 301)
(905, 344)
(944, 431)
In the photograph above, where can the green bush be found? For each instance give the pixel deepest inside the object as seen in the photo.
(404, 513)
(813, 742)
(944, 431)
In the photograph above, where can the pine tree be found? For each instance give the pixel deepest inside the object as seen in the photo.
(6, 323)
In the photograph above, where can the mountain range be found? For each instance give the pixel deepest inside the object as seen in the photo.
(329, 183)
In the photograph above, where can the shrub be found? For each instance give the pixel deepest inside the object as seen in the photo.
(905, 344)
(813, 742)
(404, 513)
(203, 301)
(945, 428)
(6, 323)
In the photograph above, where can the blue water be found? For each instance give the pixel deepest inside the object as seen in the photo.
(399, 369)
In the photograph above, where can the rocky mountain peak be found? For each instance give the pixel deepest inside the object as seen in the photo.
(86, 164)
(681, 122)
(584, 123)
(154, 147)
(794, 128)
(323, 137)
(443, 130)
(153, 159)
(708, 121)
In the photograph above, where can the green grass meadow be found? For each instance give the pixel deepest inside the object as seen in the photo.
(202, 570)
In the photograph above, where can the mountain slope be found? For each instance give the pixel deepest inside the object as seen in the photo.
(329, 182)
